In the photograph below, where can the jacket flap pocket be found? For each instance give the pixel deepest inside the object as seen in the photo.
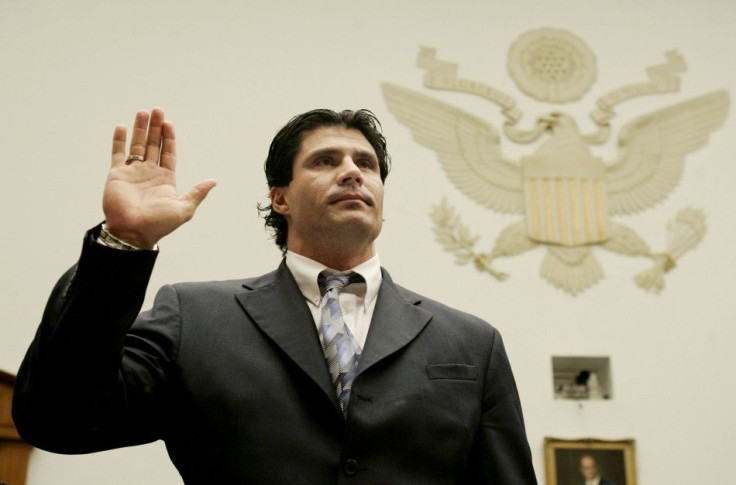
(452, 371)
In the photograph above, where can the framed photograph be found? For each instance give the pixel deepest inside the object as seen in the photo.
(572, 462)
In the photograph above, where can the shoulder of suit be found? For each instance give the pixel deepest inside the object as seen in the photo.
(440, 310)
(229, 286)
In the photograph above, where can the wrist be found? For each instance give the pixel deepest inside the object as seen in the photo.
(109, 238)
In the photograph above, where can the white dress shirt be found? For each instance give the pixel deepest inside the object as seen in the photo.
(357, 300)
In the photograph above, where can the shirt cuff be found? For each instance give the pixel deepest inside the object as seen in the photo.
(107, 239)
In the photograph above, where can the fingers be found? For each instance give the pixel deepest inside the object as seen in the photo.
(146, 141)
(168, 147)
(153, 143)
(138, 139)
(118, 145)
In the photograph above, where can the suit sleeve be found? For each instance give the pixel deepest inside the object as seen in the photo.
(87, 384)
(500, 453)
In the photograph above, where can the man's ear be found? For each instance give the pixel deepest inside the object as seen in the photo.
(278, 200)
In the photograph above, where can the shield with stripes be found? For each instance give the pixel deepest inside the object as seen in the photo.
(565, 198)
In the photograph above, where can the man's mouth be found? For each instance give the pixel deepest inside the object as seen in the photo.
(350, 197)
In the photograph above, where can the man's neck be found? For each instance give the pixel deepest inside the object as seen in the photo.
(340, 258)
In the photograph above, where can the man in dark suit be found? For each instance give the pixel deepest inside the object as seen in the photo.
(591, 474)
(323, 371)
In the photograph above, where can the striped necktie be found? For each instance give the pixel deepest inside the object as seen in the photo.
(342, 351)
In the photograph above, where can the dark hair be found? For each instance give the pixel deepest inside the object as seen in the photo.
(279, 165)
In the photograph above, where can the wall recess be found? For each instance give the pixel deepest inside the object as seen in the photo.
(582, 377)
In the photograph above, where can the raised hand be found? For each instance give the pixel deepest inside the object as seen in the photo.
(140, 201)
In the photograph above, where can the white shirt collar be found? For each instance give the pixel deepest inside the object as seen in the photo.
(306, 271)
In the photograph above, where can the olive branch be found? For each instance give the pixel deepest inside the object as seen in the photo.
(455, 237)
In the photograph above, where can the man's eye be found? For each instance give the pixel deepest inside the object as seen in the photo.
(323, 161)
(365, 163)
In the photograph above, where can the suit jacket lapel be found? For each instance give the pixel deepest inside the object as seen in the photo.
(396, 322)
(277, 306)
(275, 303)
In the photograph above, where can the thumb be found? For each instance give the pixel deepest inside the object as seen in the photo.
(200, 190)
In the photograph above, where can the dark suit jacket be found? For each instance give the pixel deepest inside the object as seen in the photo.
(232, 377)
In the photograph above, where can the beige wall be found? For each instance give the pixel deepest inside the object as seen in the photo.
(229, 73)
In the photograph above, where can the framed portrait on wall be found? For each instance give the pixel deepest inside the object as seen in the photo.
(572, 462)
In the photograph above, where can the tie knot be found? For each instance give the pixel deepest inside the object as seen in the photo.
(337, 281)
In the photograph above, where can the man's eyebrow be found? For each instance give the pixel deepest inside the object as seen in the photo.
(328, 152)
(324, 152)
(366, 154)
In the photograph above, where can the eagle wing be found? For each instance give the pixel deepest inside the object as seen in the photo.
(467, 146)
(652, 150)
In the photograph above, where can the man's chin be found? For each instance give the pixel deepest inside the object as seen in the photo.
(358, 224)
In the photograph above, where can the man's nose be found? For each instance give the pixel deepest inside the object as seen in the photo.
(350, 172)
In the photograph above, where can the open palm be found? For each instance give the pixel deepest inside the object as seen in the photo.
(140, 201)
